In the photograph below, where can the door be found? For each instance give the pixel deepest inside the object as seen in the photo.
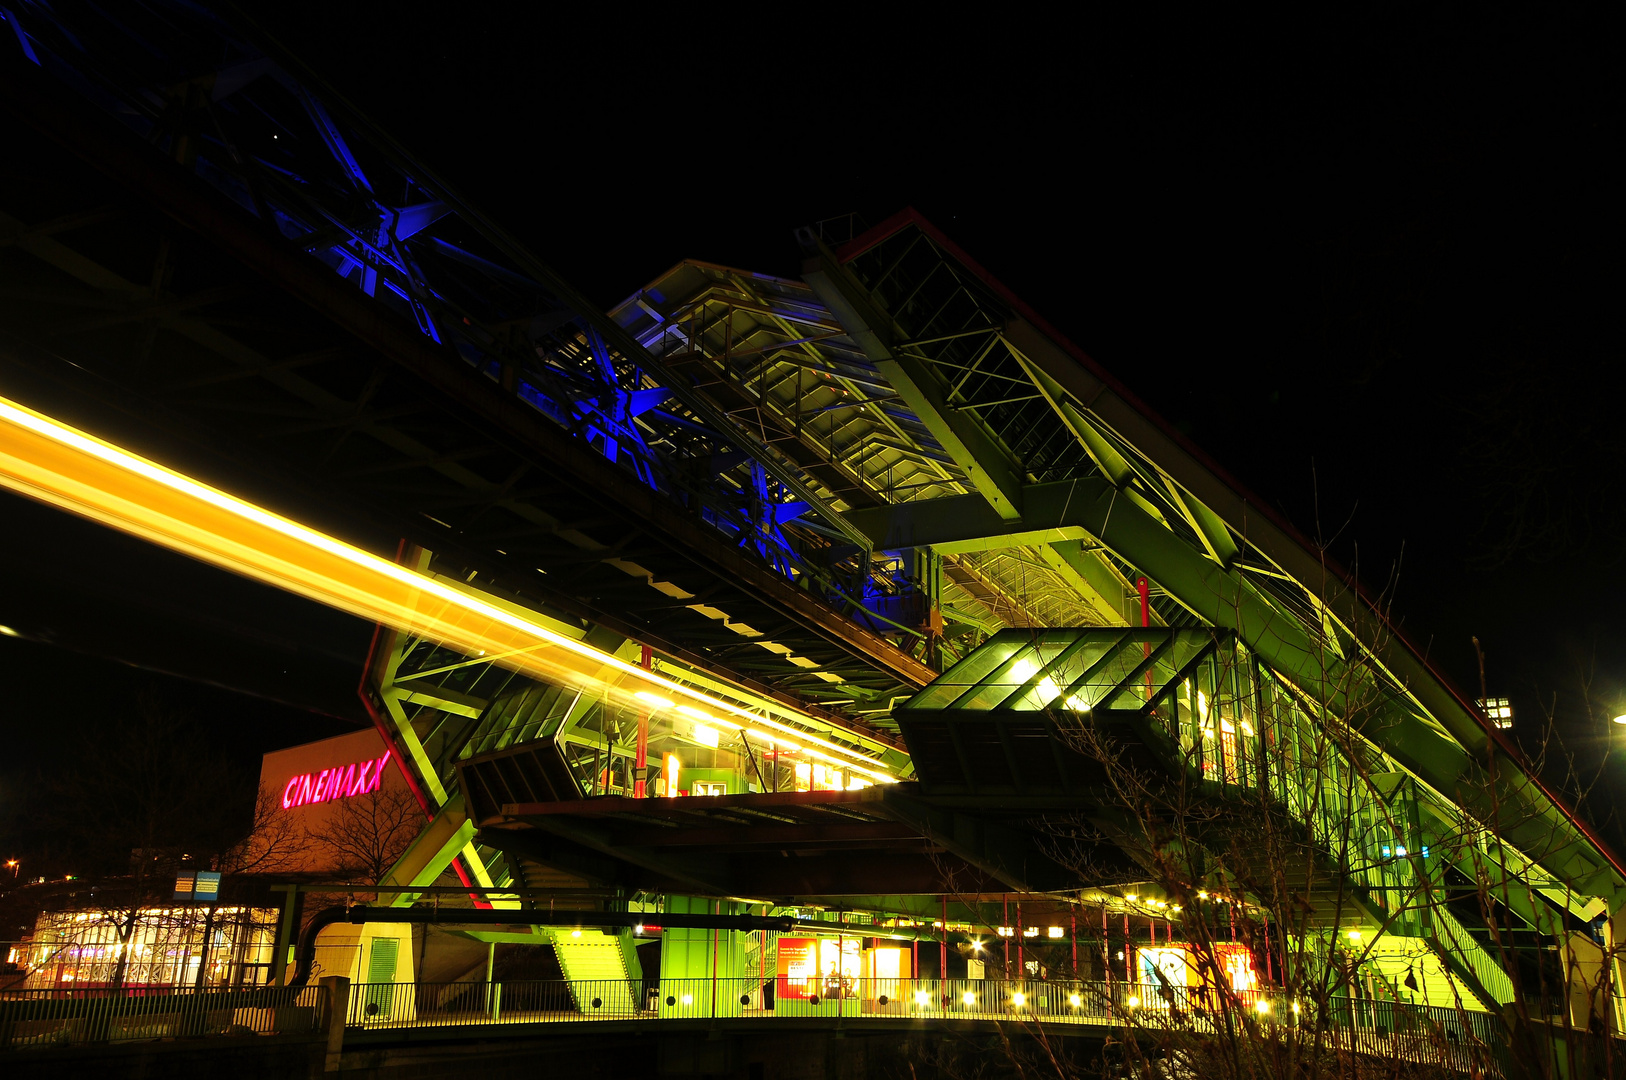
(380, 998)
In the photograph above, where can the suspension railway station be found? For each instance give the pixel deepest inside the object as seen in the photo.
(775, 650)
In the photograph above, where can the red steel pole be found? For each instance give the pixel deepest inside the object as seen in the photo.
(1005, 924)
(1106, 946)
(1021, 951)
(1144, 587)
(641, 760)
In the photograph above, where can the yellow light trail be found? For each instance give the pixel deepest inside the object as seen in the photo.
(77, 472)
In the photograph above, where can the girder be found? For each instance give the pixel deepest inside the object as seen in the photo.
(841, 419)
(962, 435)
(277, 364)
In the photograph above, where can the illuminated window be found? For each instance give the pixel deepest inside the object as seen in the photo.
(1498, 710)
(710, 787)
(824, 778)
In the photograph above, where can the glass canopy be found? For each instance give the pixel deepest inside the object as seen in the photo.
(1005, 716)
(1077, 670)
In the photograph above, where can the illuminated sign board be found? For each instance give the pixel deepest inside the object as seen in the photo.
(197, 885)
(336, 783)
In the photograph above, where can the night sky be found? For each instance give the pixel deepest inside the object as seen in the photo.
(1362, 265)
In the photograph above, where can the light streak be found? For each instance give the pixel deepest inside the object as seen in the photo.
(67, 468)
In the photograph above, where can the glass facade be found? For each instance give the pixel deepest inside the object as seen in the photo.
(155, 948)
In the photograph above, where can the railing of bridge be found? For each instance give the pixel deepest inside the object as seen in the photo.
(34, 1019)
(1447, 1037)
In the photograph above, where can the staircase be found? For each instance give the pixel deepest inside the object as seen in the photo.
(608, 966)
(1467, 960)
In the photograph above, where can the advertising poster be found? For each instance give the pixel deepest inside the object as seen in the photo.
(797, 973)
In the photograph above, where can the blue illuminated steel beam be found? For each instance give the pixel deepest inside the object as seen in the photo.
(270, 135)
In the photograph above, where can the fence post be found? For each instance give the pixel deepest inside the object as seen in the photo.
(338, 1011)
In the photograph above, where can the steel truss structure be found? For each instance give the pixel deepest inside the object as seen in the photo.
(807, 497)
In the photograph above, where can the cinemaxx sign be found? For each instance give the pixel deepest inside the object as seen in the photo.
(341, 782)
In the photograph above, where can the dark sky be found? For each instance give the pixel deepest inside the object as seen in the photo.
(1363, 265)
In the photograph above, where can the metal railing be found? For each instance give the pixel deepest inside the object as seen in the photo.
(47, 1018)
(1458, 947)
(1441, 1036)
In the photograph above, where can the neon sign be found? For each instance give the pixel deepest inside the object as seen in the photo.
(338, 783)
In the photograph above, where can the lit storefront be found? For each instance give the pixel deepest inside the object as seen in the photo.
(163, 948)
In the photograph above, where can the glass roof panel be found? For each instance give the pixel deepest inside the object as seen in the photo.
(1075, 669)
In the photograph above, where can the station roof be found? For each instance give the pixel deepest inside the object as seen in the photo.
(945, 414)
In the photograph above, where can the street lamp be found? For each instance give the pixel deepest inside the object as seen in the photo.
(1621, 719)
(13, 864)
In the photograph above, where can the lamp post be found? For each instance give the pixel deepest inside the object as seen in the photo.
(15, 866)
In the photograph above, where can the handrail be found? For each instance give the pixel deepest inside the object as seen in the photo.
(1453, 1038)
(31, 1019)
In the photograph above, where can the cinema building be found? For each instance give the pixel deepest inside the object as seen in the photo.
(219, 926)
(840, 639)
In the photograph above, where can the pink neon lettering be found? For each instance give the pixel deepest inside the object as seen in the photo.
(335, 783)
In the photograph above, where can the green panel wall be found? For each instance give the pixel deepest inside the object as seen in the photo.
(704, 966)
